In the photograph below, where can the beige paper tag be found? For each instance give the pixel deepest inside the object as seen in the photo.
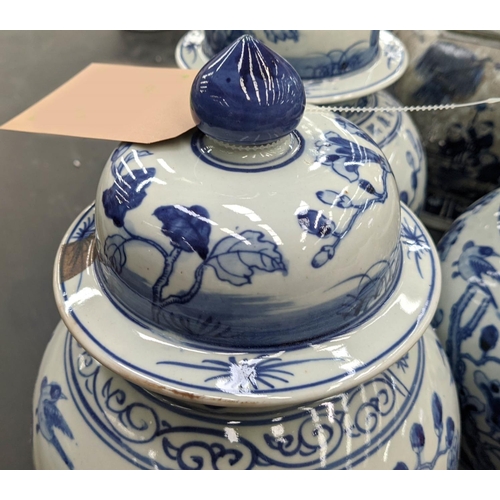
(114, 102)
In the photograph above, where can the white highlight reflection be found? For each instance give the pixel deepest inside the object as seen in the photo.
(244, 211)
(231, 434)
(272, 233)
(235, 235)
(165, 165)
(80, 297)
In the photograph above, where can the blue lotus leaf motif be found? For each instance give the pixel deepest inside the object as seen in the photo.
(315, 223)
(236, 259)
(187, 228)
(115, 253)
(119, 151)
(126, 193)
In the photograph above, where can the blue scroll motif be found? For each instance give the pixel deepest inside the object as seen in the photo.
(448, 440)
(480, 401)
(345, 158)
(50, 420)
(132, 422)
(235, 259)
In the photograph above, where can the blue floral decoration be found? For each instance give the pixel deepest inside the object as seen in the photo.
(315, 223)
(415, 241)
(344, 157)
(489, 338)
(128, 191)
(126, 194)
(448, 445)
(187, 228)
(234, 259)
(349, 156)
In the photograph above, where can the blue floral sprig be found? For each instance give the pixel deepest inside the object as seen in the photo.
(345, 158)
(448, 440)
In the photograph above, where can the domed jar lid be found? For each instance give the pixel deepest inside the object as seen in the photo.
(263, 258)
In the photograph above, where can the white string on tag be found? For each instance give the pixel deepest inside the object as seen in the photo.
(436, 107)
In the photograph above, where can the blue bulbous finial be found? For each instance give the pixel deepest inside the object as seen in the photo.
(247, 94)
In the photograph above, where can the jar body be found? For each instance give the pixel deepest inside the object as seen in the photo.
(87, 417)
(399, 139)
(467, 321)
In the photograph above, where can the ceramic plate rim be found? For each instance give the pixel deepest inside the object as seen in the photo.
(338, 383)
(385, 76)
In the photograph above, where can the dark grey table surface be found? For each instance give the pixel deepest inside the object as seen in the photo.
(45, 182)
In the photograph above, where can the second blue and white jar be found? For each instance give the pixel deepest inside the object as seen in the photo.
(468, 323)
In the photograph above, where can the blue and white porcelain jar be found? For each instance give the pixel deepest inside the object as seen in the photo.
(468, 322)
(250, 295)
(342, 68)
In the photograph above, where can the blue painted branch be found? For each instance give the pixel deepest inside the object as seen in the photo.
(182, 299)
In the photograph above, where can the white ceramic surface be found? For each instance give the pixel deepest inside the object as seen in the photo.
(468, 321)
(87, 417)
(387, 67)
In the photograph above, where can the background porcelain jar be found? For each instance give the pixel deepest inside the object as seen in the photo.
(342, 68)
(467, 321)
(235, 295)
(461, 144)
